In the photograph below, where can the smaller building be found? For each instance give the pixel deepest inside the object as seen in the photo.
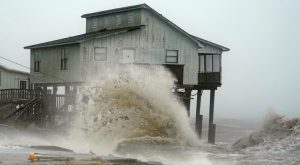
(13, 79)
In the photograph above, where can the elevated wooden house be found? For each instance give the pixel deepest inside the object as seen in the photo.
(134, 34)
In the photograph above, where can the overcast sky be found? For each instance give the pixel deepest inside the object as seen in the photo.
(261, 72)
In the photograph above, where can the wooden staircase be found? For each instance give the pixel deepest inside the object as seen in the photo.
(29, 112)
(20, 105)
(39, 107)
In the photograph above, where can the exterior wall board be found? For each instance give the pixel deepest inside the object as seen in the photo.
(11, 79)
(50, 70)
(150, 43)
(210, 50)
(162, 37)
(110, 21)
(115, 45)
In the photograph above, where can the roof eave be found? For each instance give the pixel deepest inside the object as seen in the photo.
(176, 27)
(122, 9)
(51, 45)
(14, 71)
(224, 49)
(76, 40)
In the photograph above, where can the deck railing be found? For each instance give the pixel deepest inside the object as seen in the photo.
(209, 78)
(7, 95)
(36, 106)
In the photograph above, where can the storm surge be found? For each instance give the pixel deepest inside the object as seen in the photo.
(278, 133)
(132, 105)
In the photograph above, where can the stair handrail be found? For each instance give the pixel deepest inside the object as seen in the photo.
(23, 108)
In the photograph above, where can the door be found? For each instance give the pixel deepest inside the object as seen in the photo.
(23, 84)
(128, 56)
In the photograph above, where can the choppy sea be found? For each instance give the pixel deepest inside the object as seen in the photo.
(131, 115)
(15, 146)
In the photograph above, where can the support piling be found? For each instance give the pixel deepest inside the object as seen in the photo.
(211, 126)
(199, 118)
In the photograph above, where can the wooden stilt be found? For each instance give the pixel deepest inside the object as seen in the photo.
(199, 130)
(211, 126)
(198, 125)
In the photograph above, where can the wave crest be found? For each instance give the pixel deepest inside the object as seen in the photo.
(131, 104)
(277, 133)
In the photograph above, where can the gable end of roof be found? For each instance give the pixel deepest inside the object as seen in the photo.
(211, 43)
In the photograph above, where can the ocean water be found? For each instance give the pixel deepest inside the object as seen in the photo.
(15, 147)
(134, 114)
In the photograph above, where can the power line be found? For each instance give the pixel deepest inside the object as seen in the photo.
(49, 75)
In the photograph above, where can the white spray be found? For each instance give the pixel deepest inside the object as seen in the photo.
(132, 105)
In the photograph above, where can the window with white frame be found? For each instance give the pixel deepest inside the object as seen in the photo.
(209, 63)
(172, 56)
(100, 54)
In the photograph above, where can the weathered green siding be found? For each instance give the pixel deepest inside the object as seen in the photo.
(11, 79)
(111, 21)
(210, 50)
(150, 44)
(161, 36)
(50, 66)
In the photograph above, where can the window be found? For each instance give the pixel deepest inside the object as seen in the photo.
(36, 60)
(23, 84)
(209, 63)
(172, 56)
(118, 20)
(130, 19)
(63, 59)
(106, 22)
(94, 23)
(100, 54)
(216, 63)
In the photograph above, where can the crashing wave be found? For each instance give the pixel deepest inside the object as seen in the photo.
(136, 103)
(278, 133)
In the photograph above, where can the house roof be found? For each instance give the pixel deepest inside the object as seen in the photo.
(79, 38)
(116, 10)
(142, 6)
(198, 40)
(211, 43)
(13, 70)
